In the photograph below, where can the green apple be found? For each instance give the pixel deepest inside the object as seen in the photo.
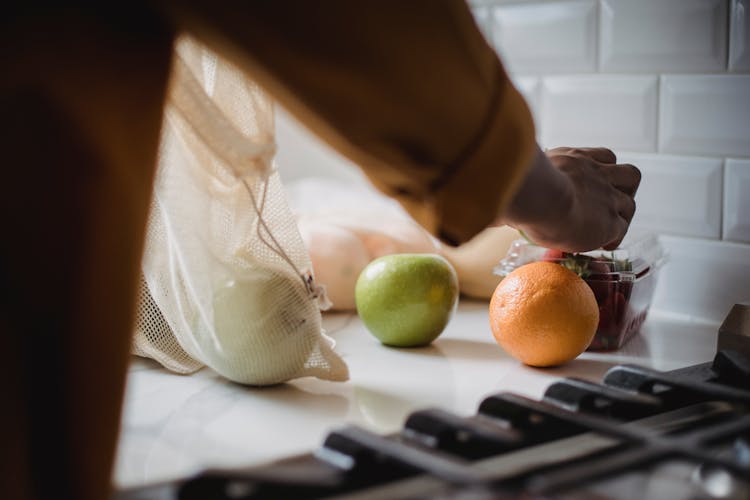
(406, 300)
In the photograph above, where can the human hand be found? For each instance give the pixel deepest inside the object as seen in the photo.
(576, 199)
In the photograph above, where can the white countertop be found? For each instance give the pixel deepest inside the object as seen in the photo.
(175, 425)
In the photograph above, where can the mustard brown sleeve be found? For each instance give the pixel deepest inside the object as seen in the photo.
(409, 90)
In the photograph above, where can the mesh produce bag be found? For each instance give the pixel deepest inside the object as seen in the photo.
(227, 280)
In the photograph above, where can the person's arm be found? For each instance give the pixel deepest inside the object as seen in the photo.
(410, 91)
(575, 199)
(415, 96)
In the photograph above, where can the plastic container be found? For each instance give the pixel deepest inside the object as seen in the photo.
(623, 282)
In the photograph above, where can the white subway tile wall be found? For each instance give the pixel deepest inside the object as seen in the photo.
(666, 35)
(703, 278)
(559, 36)
(599, 109)
(705, 114)
(739, 36)
(737, 201)
(680, 195)
(661, 83)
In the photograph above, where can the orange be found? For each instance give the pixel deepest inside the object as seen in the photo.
(543, 314)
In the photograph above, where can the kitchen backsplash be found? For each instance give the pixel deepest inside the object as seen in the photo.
(666, 85)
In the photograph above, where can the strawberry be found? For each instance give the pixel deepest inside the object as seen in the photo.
(602, 289)
(552, 255)
(599, 266)
(614, 307)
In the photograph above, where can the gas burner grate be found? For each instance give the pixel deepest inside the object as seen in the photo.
(641, 434)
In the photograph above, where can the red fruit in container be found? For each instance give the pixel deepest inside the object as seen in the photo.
(552, 255)
(602, 288)
(599, 266)
(605, 318)
(614, 307)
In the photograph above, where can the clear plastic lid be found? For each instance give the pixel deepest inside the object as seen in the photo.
(639, 255)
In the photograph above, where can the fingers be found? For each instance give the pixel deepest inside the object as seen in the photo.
(614, 244)
(604, 192)
(625, 207)
(625, 211)
(602, 155)
(625, 177)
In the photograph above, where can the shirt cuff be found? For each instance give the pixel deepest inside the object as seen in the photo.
(470, 194)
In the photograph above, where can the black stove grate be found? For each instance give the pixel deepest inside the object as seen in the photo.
(641, 434)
